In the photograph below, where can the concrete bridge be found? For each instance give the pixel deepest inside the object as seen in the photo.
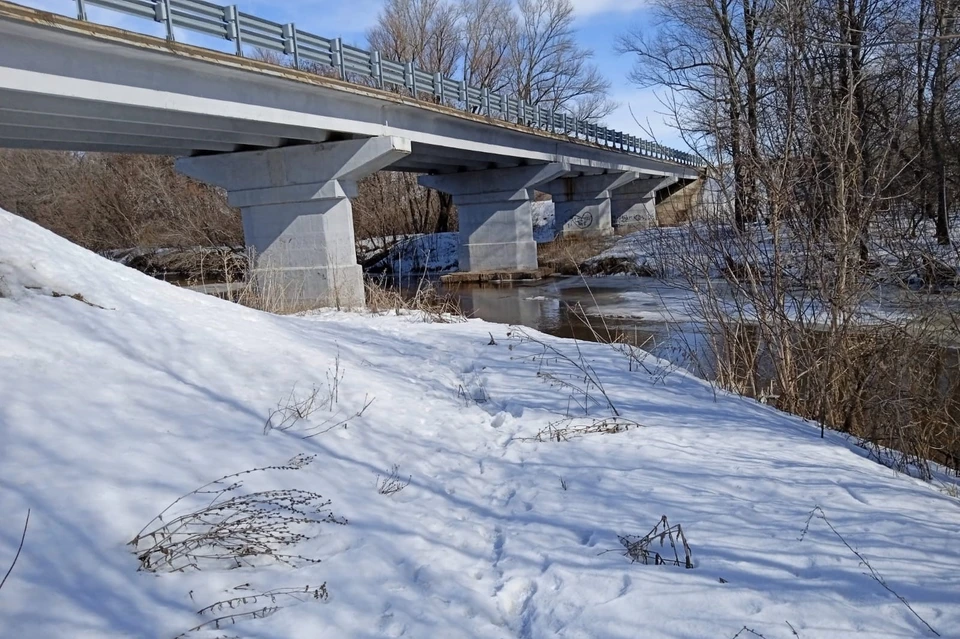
(289, 146)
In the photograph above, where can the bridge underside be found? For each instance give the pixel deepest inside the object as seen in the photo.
(76, 86)
(30, 120)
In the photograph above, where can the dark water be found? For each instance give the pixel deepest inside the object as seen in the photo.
(645, 312)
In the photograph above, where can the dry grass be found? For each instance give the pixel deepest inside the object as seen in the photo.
(565, 255)
(432, 304)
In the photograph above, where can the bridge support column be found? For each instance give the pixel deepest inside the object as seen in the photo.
(496, 223)
(634, 206)
(295, 203)
(582, 204)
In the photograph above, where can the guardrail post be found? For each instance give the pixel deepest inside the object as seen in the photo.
(336, 56)
(464, 96)
(504, 107)
(536, 115)
(161, 13)
(290, 43)
(81, 10)
(376, 67)
(563, 122)
(438, 86)
(485, 101)
(232, 17)
(521, 113)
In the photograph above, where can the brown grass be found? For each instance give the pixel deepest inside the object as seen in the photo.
(565, 255)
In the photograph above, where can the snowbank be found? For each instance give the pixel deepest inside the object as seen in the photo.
(119, 393)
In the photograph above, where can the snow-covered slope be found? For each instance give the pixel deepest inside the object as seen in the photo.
(114, 405)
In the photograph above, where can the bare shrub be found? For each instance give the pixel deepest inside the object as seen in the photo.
(430, 303)
(576, 376)
(294, 412)
(642, 549)
(824, 155)
(569, 428)
(231, 529)
(107, 201)
(392, 205)
(392, 483)
(264, 604)
(292, 409)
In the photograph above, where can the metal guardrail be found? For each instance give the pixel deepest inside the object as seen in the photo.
(352, 63)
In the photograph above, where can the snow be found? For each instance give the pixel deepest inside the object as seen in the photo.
(132, 393)
(435, 253)
(543, 217)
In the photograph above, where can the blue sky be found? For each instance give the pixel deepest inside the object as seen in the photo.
(598, 24)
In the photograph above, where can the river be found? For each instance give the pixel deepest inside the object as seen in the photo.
(642, 311)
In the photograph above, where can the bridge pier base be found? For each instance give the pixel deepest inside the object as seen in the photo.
(297, 216)
(634, 206)
(496, 220)
(582, 204)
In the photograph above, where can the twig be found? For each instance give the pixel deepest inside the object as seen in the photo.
(19, 548)
(818, 511)
(261, 613)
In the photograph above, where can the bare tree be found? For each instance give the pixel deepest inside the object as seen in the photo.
(806, 114)
(105, 201)
(709, 53)
(423, 31)
(488, 28)
(550, 68)
(938, 74)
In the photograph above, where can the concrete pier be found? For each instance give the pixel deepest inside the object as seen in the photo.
(633, 206)
(582, 205)
(496, 223)
(295, 203)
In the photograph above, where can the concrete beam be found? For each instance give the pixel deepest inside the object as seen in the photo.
(68, 139)
(54, 106)
(496, 222)
(92, 147)
(634, 206)
(184, 135)
(297, 213)
(582, 203)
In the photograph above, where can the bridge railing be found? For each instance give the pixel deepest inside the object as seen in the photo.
(369, 67)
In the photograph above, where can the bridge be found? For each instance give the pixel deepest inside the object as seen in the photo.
(289, 145)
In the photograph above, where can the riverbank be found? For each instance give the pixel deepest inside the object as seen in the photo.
(459, 513)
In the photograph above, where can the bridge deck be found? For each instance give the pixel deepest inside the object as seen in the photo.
(72, 85)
